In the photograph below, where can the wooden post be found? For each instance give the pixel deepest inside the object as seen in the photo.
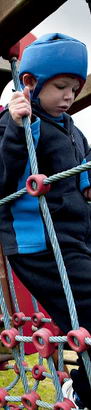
(18, 17)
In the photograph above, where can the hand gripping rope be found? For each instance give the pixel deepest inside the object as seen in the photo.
(43, 339)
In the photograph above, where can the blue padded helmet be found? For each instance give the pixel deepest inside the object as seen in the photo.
(51, 55)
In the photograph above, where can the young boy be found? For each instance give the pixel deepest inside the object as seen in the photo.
(53, 70)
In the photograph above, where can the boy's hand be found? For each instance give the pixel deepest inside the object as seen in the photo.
(20, 105)
(87, 193)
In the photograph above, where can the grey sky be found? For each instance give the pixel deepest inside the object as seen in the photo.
(72, 18)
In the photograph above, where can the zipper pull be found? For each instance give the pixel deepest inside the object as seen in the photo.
(73, 139)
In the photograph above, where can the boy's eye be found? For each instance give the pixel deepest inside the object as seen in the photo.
(60, 87)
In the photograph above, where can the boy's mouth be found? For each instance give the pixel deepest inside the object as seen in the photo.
(63, 108)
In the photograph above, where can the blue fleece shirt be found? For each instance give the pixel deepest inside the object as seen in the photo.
(84, 178)
(31, 221)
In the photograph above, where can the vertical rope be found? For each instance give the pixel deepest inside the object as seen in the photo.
(15, 303)
(50, 228)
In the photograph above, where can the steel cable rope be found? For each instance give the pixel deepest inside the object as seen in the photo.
(49, 180)
(15, 303)
(6, 318)
(49, 225)
(59, 261)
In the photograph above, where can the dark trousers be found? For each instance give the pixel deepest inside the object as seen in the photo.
(39, 273)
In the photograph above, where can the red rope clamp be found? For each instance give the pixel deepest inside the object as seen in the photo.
(42, 343)
(16, 368)
(37, 372)
(40, 188)
(66, 404)
(29, 400)
(36, 319)
(17, 319)
(3, 394)
(8, 337)
(80, 335)
(62, 376)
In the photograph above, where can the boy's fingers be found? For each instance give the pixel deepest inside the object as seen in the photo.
(26, 93)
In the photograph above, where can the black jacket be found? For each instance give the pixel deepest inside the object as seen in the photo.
(59, 148)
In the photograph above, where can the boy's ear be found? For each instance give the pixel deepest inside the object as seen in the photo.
(29, 80)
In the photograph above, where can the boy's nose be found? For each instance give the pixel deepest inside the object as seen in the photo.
(68, 93)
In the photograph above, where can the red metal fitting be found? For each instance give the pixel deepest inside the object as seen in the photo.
(66, 404)
(12, 52)
(3, 394)
(29, 400)
(62, 376)
(16, 368)
(37, 372)
(36, 319)
(3, 366)
(40, 188)
(17, 319)
(8, 337)
(80, 335)
(42, 343)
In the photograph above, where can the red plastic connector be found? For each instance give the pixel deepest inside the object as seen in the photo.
(36, 319)
(8, 337)
(37, 372)
(62, 376)
(17, 319)
(40, 188)
(80, 335)
(66, 404)
(16, 368)
(3, 394)
(13, 51)
(29, 400)
(42, 343)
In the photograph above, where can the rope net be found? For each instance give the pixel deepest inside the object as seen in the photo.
(43, 339)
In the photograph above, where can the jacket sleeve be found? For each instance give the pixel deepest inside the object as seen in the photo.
(85, 176)
(13, 155)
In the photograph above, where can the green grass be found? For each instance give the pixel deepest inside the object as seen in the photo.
(45, 389)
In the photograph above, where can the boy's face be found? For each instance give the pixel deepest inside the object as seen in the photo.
(57, 95)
